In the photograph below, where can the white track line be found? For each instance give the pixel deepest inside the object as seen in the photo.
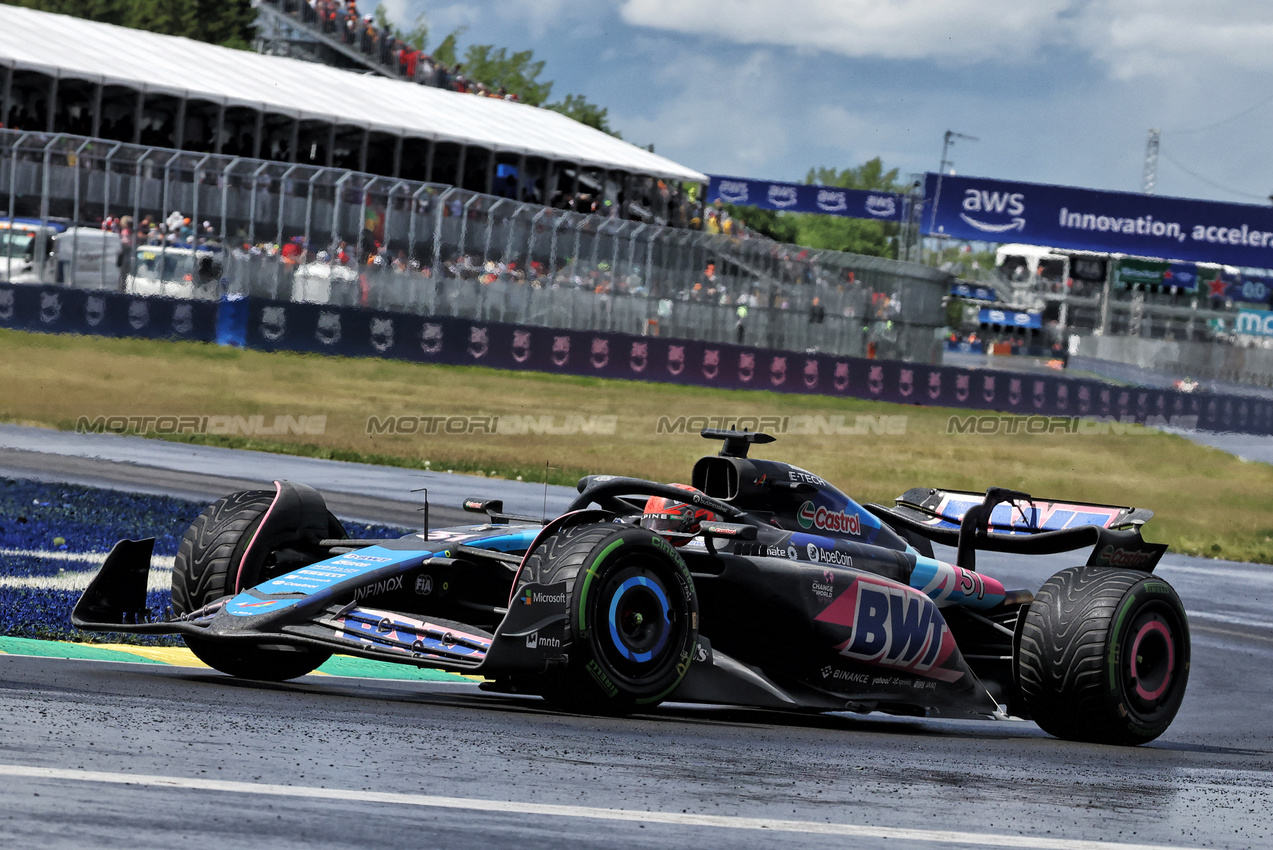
(979, 839)
(76, 578)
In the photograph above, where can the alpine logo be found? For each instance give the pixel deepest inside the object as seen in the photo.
(981, 202)
(810, 516)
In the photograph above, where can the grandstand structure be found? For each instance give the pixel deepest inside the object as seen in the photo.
(60, 74)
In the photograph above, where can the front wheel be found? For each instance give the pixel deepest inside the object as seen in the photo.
(210, 565)
(1104, 656)
(633, 616)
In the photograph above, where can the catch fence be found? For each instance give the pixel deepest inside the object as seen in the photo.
(308, 233)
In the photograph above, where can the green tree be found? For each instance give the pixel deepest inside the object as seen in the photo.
(857, 236)
(228, 23)
(417, 37)
(778, 226)
(445, 51)
(576, 106)
(516, 73)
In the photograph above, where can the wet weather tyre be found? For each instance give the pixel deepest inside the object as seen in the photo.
(1104, 656)
(207, 568)
(633, 616)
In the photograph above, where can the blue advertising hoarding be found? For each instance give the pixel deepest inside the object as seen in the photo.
(797, 197)
(1254, 322)
(1009, 318)
(982, 209)
(974, 290)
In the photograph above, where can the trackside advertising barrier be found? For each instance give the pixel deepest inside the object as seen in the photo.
(269, 325)
(356, 332)
(58, 309)
(978, 208)
(800, 198)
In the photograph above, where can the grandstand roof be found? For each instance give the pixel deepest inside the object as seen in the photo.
(75, 48)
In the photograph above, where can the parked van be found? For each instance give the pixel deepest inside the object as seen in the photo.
(185, 273)
(24, 249)
(87, 258)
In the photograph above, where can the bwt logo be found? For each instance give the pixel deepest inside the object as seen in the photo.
(783, 196)
(832, 201)
(733, 191)
(896, 628)
(982, 202)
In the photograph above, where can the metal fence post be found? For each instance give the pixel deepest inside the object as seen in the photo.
(439, 212)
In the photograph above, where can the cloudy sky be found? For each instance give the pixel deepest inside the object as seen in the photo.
(1056, 91)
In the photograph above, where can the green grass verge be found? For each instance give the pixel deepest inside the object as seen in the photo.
(1207, 502)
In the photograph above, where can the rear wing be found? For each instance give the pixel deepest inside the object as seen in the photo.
(1001, 520)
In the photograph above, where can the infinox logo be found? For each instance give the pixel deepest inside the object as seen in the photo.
(1116, 556)
(821, 518)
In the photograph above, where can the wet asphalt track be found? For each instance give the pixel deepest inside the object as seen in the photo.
(325, 762)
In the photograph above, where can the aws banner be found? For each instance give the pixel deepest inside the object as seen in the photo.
(797, 197)
(1091, 220)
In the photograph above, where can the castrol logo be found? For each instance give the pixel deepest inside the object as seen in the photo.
(822, 519)
(1120, 557)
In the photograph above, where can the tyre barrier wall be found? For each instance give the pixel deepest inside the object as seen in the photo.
(357, 332)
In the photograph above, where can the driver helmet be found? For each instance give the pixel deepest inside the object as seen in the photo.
(677, 521)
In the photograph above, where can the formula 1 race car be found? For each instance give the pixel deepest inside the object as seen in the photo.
(759, 585)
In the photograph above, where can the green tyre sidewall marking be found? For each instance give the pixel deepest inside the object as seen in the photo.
(678, 580)
(587, 582)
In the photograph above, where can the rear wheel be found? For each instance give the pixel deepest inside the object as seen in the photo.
(1104, 656)
(209, 566)
(633, 616)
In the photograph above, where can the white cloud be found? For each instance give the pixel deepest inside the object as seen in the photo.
(959, 30)
(1158, 37)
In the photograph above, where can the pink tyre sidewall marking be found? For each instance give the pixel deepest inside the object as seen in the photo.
(1153, 626)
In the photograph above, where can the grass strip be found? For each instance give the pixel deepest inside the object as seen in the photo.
(1206, 501)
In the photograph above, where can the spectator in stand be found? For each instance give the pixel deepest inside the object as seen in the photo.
(817, 313)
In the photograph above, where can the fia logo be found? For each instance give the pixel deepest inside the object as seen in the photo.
(424, 585)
